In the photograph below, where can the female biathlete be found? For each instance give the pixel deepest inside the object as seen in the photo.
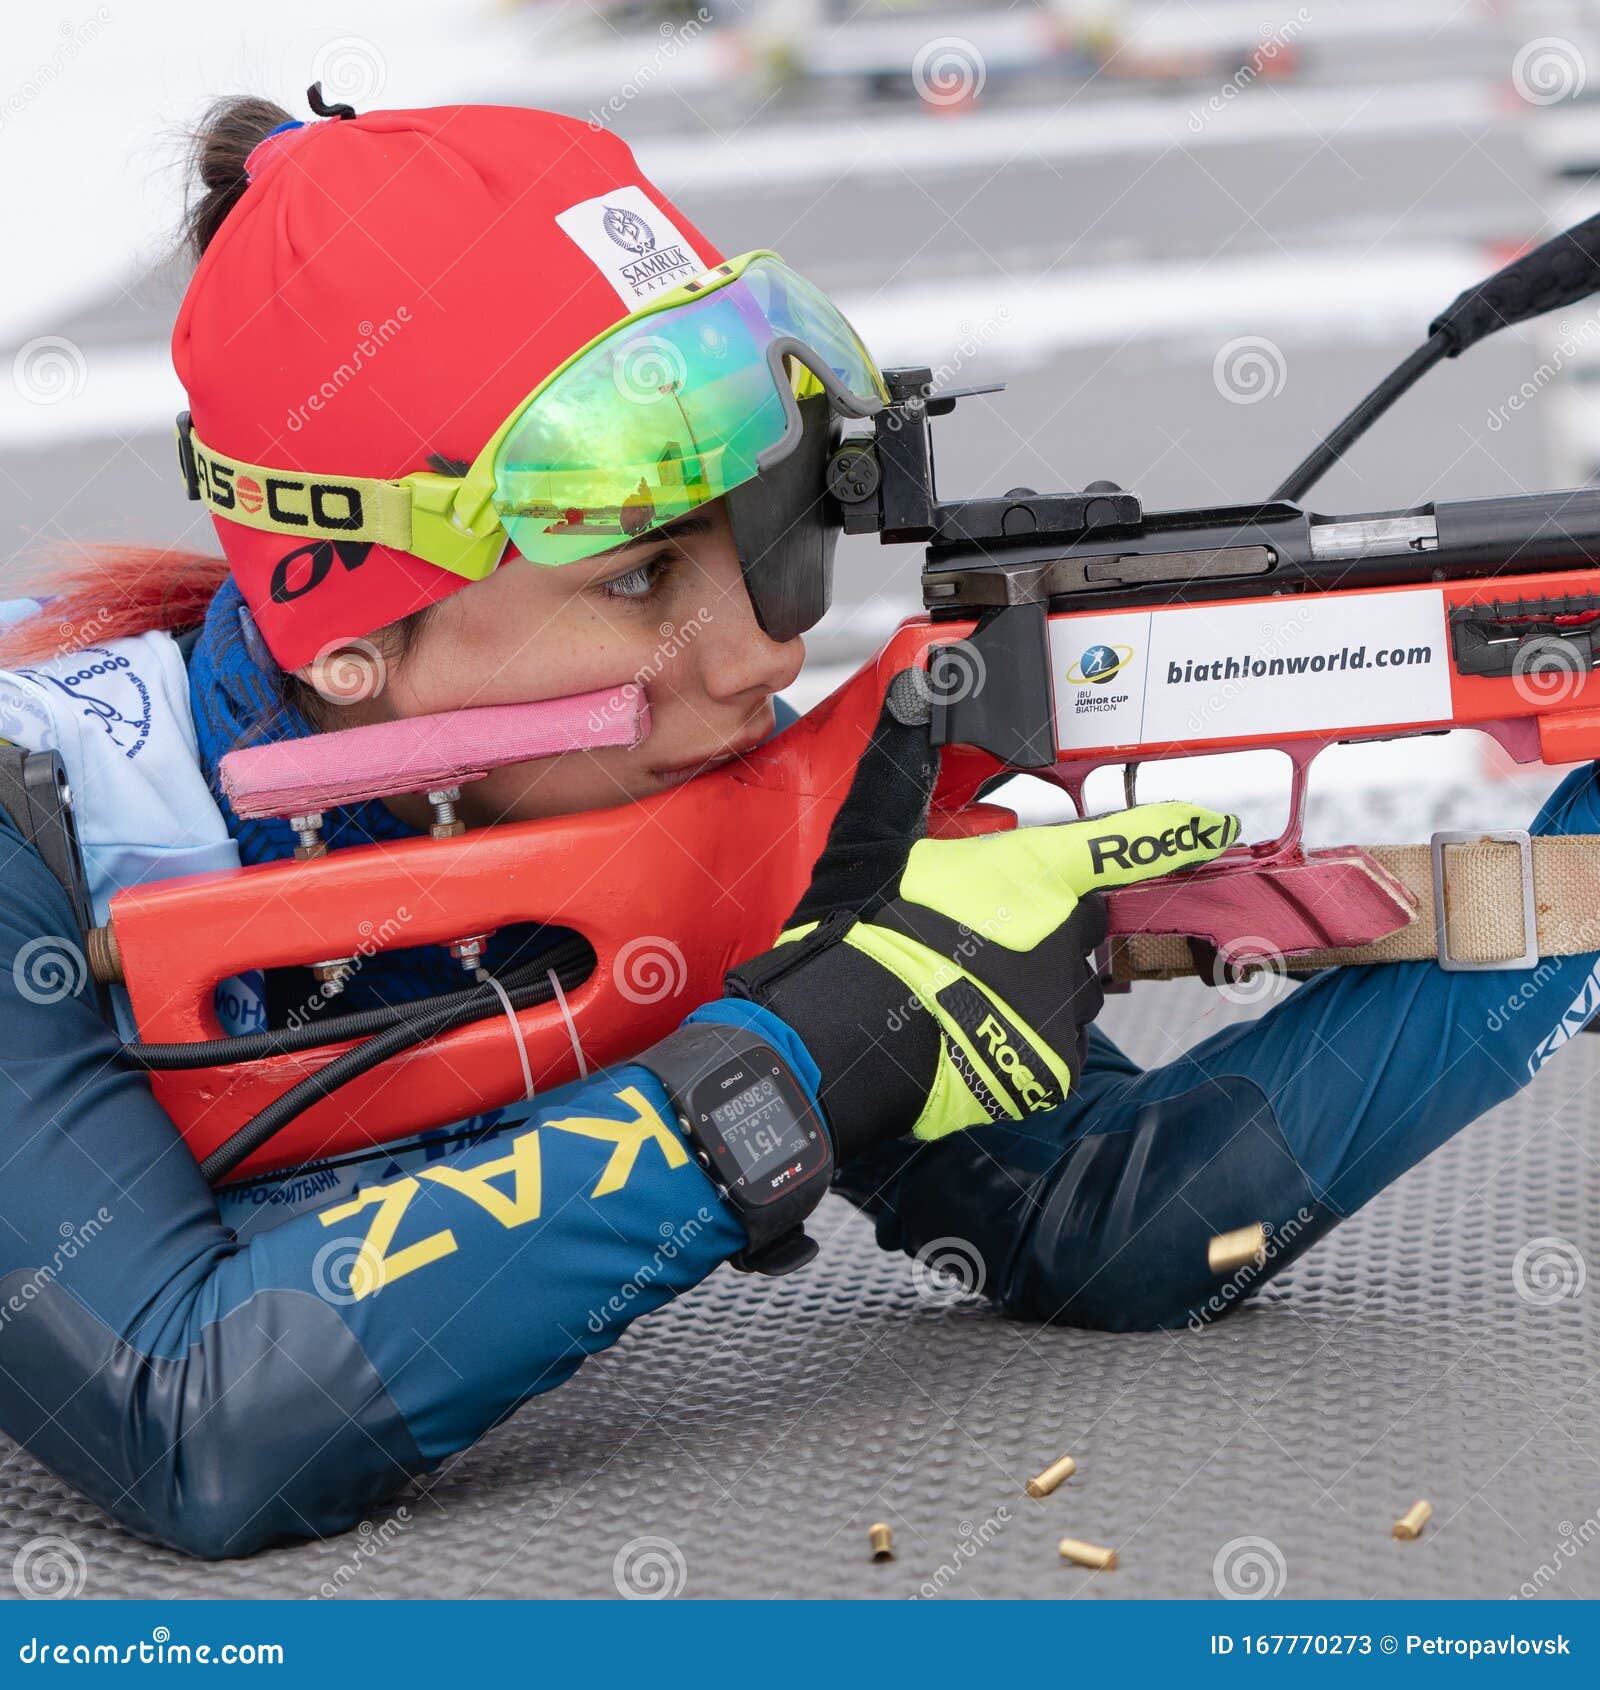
(454, 312)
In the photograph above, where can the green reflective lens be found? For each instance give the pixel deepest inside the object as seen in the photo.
(668, 412)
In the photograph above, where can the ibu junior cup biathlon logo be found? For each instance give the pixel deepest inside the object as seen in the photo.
(1099, 663)
(628, 230)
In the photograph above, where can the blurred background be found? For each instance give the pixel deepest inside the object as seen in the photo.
(1186, 234)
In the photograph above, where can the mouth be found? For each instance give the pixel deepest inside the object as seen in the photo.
(680, 772)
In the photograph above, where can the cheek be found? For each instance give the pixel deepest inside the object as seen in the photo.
(519, 646)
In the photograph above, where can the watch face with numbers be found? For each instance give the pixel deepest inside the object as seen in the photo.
(758, 1134)
(755, 1132)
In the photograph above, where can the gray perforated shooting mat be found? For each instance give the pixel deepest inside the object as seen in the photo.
(754, 1431)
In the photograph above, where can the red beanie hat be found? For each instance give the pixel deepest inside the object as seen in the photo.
(388, 288)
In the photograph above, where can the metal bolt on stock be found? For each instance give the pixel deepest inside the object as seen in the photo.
(446, 823)
(309, 828)
(469, 951)
(331, 972)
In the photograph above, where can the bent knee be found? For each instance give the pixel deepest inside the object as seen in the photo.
(1121, 1234)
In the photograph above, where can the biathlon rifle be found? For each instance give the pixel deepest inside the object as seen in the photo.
(1062, 632)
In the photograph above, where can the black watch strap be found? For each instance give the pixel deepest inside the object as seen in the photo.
(783, 1255)
(690, 1063)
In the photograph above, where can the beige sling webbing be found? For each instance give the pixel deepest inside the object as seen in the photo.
(1488, 888)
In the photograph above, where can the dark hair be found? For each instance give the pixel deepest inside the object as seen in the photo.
(219, 144)
(103, 592)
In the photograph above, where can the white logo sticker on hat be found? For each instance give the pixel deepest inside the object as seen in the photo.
(632, 243)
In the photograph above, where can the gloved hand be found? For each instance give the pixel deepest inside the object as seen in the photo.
(942, 984)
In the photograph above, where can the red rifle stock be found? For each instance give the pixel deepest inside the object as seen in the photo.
(673, 890)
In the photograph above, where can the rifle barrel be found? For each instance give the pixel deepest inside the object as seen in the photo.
(1256, 551)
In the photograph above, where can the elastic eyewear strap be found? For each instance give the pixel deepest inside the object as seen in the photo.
(451, 521)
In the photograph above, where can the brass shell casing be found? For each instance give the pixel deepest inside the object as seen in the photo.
(1057, 1473)
(1092, 1555)
(1245, 1246)
(1410, 1524)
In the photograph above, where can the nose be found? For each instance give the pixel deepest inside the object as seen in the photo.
(737, 657)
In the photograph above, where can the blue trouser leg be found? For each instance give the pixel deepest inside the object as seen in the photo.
(1099, 1212)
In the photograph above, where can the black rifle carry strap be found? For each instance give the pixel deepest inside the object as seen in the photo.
(35, 796)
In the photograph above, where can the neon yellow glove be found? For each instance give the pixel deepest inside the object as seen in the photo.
(943, 984)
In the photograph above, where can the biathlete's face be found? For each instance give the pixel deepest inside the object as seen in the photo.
(669, 609)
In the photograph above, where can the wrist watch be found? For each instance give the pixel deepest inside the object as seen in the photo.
(753, 1130)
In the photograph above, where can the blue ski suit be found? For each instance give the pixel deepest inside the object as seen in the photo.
(210, 1377)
